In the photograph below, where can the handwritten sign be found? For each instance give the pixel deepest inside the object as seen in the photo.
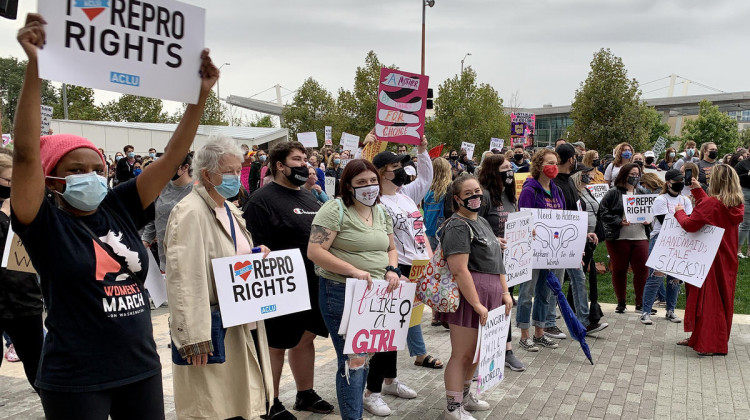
(344, 162)
(659, 146)
(417, 272)
(638, 207)
(469, 148)
(402, 99)
(46, 119)
(496, 144)
(491, 340)
(520, 179)
(15, 256)
(683, 255)
(560, 238)
(349, 142)
(598, 190)
(372, 149)
(328, 136)
(330, 186)
(379, 320)
(251, 288)
(141, 48)
(308, 139)
(518, 253)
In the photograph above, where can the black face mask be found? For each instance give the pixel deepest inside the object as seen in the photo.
(649, 160)
(298, 175)
(473, 203)
(677, 187)
(454, 157)
(177, 175)
(596, 162)
(400, 177)
(518, 157)
(713, 154)
(634, 180)
(4, 192)
(586, 178)
(507, 177)
(639, 163)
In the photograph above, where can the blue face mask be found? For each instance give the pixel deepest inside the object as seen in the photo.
(117, 158)
(137, 172)
(337, 161)
(263, 158)
(229, 187)
(627, 154)
(84, 192)
(152, 155)
(131, 155)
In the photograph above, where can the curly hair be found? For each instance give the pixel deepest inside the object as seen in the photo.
(537, 162)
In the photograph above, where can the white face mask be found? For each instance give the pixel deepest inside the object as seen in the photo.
(367, 194)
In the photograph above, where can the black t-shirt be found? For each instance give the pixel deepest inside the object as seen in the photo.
(476, 238)
(99, 321)
(20, 295)
(743, 168)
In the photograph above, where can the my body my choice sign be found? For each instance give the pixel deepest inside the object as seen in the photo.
(148, 48)
(251, 288)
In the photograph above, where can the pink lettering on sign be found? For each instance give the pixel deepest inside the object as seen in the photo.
(373, 341)
(401, 108)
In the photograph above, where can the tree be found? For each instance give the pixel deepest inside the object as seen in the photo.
(12, 71)
(714, 126)
(654, 124)
(607, 109)
(133, 108)
(744, 138)
(264, 121)
(81, 105)
(213, 114)
(465, 111)
(312, 109)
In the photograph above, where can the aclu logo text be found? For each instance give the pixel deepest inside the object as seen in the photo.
(124, 79)
(268, 309)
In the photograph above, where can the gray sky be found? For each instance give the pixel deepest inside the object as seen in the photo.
(541, 48)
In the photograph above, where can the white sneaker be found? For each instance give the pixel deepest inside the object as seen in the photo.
(375, 405)
(472, 403)
(400, 390)
(646, 319)
(743, 256)
(457, 414)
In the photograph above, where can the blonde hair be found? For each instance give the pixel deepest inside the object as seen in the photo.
(725, 185)
(652, 182)
(618, 153)
(441, 177)
(588, 158)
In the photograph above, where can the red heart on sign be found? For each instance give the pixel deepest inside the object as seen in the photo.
(243, 269)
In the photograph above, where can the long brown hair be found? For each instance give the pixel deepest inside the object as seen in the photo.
(490, 179)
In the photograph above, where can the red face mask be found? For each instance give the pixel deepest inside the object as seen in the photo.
(550, 171)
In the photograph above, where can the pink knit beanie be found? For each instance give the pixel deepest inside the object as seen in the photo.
(53, 148)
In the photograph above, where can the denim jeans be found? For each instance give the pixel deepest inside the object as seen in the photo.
(744, 233)
(653, 283)
(551, 319)
(536, 286)
(350, 383)
(580, 294)
(415, 341)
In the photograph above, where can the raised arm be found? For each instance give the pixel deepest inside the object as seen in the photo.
(28, 179)
(418, 189)
(152, 181)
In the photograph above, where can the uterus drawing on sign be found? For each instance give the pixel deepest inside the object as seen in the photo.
(555, 239)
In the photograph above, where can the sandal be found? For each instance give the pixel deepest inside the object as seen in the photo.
(430, 362)
(683, 342)
(436, 323)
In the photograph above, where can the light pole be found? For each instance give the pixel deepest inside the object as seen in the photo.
(425, 3)
(462, 62)
(217, 80)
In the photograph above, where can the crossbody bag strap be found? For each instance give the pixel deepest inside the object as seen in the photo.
(231, 226)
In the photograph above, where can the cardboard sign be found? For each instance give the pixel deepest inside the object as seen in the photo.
(598, 190)
(155, 283)
(638, 207)
(402, 101)
(349, 142)
(496, 144)
(560, 238)
(517, 256)
(683, 255)
(491, 340)
(15, 256)
(46, 119)
(659, 146)
(520, 179)
(417, 272)
(150, 48)
(328, 136)
(251, 288)
(344, 162)
(308, 139)
(469, 147)
(372, 149)
(330, 186)
(378, 319)
(6, 139)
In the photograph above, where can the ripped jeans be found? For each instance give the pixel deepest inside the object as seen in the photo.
(350, 383)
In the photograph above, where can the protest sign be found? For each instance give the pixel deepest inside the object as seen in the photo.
(349, 142)
(6, 139)
(491, 341)
(328, 136)
(417, 272)
(496, 144)
(344, 162)
(522, 126)
(683, 255)
(520, 179)
(378, 320)
(402, 99)
(659, 146)
(330, 186)
(518, 252)
(148, 48)
(308, 139)
(46, 119)
(598, 190)
(373, 148)
(560, 238)
(469, 148)
(251, 288)
(155, 282)
(15, 256)
(638, 207)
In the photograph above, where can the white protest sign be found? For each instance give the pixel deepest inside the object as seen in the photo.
(469, 147)
(349, 142)
(560, 238)
(155, 282)
(328, 136)
(6, 139)
(496, 144)
(659, 146)
(491, 341)
(518, 253)
(683, 255)
(308, 139)
(251, 288)
(148, 48)
(330, 186)
(344, 162)
(598, 190)
(379, 320)
(46, 119)
(348, 300)
(638, 207)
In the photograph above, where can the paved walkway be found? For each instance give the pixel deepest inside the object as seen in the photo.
(639, 373)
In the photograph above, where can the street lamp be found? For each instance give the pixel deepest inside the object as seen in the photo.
(425, 3)
(462, 62)
(217, 80)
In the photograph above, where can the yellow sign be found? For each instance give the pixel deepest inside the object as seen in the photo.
(373, 148)
(520, 179)
(417, 272)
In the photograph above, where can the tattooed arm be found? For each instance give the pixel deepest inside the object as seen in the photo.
(318, 252)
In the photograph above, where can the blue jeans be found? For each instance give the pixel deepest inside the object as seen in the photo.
(415, 341)
(653, 283)
(348, 390)
(744, 233)
(551, 319)
(580, 294)
(536, 286)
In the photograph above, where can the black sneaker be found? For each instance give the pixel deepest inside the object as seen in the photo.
(639, 309)
(595, 328)
(310, 401)
(620, 308)
(279, 412)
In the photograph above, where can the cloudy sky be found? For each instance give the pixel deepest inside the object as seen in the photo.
(540, 49)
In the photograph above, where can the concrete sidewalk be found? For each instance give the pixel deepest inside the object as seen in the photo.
(639, 373)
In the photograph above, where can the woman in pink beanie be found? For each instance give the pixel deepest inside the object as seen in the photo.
(99, 356)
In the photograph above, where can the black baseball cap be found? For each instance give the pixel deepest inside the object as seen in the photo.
(388, 157)
(674, 175)
(565, 151)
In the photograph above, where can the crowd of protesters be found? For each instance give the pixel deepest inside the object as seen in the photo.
(86, 222)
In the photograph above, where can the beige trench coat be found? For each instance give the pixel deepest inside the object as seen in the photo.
(242, 385)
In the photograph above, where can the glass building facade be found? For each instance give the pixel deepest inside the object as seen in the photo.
(550, 128)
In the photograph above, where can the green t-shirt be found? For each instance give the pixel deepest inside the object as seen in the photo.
(364, 247)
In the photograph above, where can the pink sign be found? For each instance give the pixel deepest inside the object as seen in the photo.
(402, 99)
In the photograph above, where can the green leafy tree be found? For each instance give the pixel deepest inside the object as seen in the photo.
(312, 109)
(654, 124)
(607, 109)
(81, 105)
(714, 126)
(467, 111)
(744, 138)
(11, 78)
(133, 108)
(264, 121)
(213, 114)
